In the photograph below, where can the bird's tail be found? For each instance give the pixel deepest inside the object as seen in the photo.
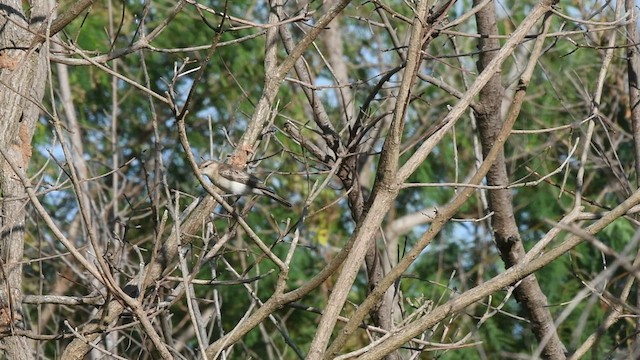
(276, 198)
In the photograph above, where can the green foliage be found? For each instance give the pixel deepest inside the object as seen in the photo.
(461, 257)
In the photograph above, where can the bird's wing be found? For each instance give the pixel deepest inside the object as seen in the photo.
(254, 184)
(237, 175)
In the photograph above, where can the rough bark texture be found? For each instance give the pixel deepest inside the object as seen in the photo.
(507, 236)
(633, 68)
(22, 82)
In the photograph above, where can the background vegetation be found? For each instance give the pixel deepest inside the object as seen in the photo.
(437, 155)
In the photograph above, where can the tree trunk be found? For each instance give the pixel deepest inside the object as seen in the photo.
(506, 233)
(22, 83)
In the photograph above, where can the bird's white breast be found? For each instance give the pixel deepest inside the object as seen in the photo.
(234, 187)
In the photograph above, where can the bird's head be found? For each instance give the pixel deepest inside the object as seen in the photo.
(209, 168)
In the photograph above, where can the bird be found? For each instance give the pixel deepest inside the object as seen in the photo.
(237, 181)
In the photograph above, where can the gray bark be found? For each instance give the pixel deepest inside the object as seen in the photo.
(506, 233)
(22, 84)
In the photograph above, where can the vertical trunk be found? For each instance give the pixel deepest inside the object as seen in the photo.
(633, 68)
(506, 234)
(22, 82)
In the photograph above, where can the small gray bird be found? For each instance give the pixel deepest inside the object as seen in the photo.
(236, 181)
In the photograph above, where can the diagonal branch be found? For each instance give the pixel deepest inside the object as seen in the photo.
(506, 233)
(450, 209)
(384, 191)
